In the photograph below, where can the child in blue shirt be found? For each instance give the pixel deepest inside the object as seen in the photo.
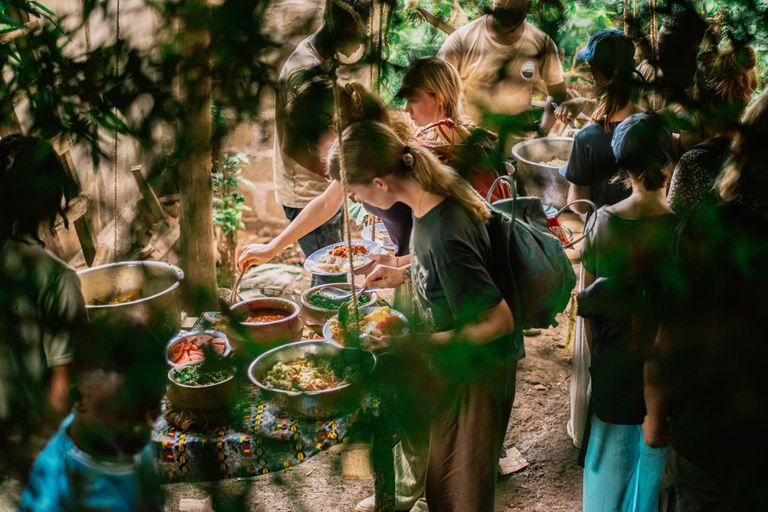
(99, 459)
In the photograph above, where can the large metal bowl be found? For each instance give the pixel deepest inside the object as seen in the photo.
(329, 403)
(159, 284)
(537, 179)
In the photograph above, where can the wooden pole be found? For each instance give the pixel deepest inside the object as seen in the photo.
(147, 193)
(199, 291)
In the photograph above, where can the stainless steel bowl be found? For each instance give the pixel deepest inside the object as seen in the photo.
(319, 316)
(201, 398)
(537, 179)
(329, 403)
(159, 283)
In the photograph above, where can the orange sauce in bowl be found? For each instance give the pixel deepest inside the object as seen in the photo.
(267, 315)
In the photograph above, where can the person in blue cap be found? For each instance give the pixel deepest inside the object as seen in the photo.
(623, 256)
(591, 166)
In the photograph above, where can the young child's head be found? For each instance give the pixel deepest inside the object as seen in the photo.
(644, 147)
(120, 380)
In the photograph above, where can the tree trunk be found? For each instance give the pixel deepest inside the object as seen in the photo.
(199, 291)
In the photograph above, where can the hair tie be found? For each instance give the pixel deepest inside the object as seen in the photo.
(407, 157)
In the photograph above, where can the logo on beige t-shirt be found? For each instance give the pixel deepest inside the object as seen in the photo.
(528, 70)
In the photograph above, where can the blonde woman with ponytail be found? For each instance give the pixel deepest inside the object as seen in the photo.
(468, 329)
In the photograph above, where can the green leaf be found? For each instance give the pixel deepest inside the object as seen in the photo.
(357, 212)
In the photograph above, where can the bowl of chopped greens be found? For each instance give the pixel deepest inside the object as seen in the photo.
(202, 387)
(313, 378)
(318, 309)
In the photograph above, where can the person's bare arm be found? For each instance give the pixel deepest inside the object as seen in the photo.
(59, 398)
(492, 324)
(318, 211)
(578, 192)
(571, 109)
(557, 93)
(658, 393)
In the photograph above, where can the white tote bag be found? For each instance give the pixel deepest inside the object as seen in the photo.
(580, 378)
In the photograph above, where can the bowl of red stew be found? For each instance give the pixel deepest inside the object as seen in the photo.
(269, 320)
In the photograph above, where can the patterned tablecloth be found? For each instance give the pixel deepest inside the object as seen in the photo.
(263, 441)
(260, 439)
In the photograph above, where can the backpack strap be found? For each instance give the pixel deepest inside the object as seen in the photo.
(587, 229)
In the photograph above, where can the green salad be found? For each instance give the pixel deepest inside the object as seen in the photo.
(194, 375)
(320, 301)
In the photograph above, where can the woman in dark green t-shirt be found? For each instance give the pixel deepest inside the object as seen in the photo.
(466, 326)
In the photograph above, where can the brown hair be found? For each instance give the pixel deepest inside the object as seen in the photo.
(651, 178)
(726, 82)
(744, 179)
(373, 150)
(613, 96)
(315, 97)
(367, 106)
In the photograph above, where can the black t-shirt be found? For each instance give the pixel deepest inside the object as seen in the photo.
(450, 258)
(624, 251)
(398, 220)
(718, 304)
(592, 164)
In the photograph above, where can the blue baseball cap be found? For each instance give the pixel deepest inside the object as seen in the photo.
(642, 141)
(609, 49)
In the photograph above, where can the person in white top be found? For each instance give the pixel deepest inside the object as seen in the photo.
(500, 58)
(300, 174)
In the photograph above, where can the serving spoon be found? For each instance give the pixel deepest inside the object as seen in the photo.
(233, 297)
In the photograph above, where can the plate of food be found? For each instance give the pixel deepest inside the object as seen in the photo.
(334, 259)
(377, 321)
(379, 235)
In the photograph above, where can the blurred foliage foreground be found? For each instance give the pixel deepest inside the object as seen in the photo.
(90, 94)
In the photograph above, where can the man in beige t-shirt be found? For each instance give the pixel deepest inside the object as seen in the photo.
(500, 58)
